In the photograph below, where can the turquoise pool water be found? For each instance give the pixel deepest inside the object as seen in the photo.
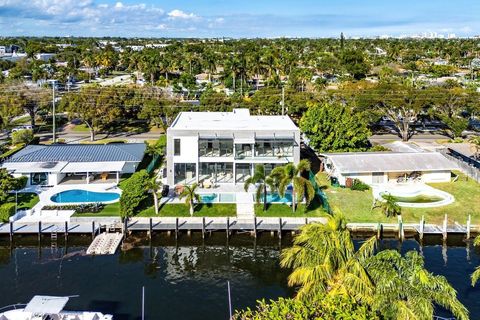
(81, 196)
(218, 198)
(275, 197)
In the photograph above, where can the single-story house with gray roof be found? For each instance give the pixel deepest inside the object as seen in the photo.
(75, 163)
(384, 167)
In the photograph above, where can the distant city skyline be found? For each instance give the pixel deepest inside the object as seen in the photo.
(225, 18)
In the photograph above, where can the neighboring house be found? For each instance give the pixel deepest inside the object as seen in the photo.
(70, 163)
(45, 56)
(223, 147)
(388, 167)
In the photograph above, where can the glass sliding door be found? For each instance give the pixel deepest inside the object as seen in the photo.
(224, 172)
(184, 173)
(243, 151)
(242, 172)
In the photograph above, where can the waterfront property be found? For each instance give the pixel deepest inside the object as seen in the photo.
(222, 148)
(388, 167)
(52, 165)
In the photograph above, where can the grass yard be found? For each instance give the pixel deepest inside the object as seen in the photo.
(80, 128)
(356, 205)
(201, 210)
(110, 210)
(283, 210)
(26, 200)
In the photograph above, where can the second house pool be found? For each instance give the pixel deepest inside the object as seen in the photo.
(84, 196)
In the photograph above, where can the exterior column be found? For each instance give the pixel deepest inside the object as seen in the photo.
(234, 173)
(118, 177)
(88, 177)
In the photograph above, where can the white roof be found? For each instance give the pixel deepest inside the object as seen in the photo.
(32, 167)
(74, 167)
(365, 162)
(239, 119)
(46, 305)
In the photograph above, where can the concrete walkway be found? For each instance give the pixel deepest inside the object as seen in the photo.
(245, 205)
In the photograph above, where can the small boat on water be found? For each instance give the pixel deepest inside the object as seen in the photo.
(48, 308)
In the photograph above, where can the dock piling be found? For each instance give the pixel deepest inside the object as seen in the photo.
(203, 228)
(39, 231)
(228, 227)
(401, 233)
(280, 228)
(176, 228)
(150, 227)
(93, 230)
(306, 220)
(421, 227)
(255, 227)
(379, 230)
(469, 225)
(445, 221)
(11, 231)
(65, 233)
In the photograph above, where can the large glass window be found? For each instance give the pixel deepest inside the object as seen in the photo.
(243, 151)
(39, 178)
(184, 173)
(242, 172)
(215, 147)
(176, 147)
(283, 148)
(216, 172)
(264, 148)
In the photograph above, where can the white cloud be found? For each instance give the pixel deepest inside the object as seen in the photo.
(179, 14)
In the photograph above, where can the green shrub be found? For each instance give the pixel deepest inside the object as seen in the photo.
(22, 136)
(79, 208)
(134, 192)
(6, 211)
(379, 147)
(358, 185)
(10, 152)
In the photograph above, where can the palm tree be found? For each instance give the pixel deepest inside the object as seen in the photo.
(324, 261)
(153, 187)
(388, 205)
(476, 273)
(404, 289)
(262, 180)
(292, 175)
(191, 197)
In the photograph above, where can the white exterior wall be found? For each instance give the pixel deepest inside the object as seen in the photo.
(188, 150)
(436, 176)
(364, 177)
(55, 178)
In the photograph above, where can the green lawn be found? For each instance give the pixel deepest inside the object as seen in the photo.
(110, 210)
(283, 210)
(202, 210)
(26, 200)
(356, 205)
(80, 128)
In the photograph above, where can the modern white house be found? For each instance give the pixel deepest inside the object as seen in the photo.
(215, 148)
(388, 167)
(75, 163)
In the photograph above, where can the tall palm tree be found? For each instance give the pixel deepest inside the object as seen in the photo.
(292, 175)
(404, 289)
(262, 180)
(324, 261)
(153, 187)
(191, 197)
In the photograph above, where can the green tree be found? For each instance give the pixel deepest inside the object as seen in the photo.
(191, 197)
(355, 63)
(404, 289)
(153, 187)
(291, 174)
(335, 127)
(9, 183)
(261, 181)
(324, 261)
(133, 193)
(389, 206)
(22, 136)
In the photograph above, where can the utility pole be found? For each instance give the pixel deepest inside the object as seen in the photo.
(283, 100)
(53, 118)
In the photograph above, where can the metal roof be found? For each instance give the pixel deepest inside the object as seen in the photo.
(46, 305)
(129, 152)
(365, 162)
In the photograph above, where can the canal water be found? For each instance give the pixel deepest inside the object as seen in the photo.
(187, 279)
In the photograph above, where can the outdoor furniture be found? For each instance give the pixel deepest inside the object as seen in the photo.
(207, 184)
(104, 176)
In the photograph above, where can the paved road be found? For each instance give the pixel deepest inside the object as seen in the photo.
(72, 137)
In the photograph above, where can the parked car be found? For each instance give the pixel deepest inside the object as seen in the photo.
(24, 127)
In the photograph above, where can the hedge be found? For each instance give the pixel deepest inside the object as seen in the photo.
(6, 211)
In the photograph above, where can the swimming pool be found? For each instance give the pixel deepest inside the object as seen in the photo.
(217, 198)
(83, 196)
(277, 198)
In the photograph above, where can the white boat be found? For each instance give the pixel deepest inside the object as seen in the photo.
(48, 308)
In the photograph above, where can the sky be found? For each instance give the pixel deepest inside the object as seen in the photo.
(238, 19)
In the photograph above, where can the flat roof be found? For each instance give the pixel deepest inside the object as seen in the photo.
(365, 162)
(130, 152)
(237, 120)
